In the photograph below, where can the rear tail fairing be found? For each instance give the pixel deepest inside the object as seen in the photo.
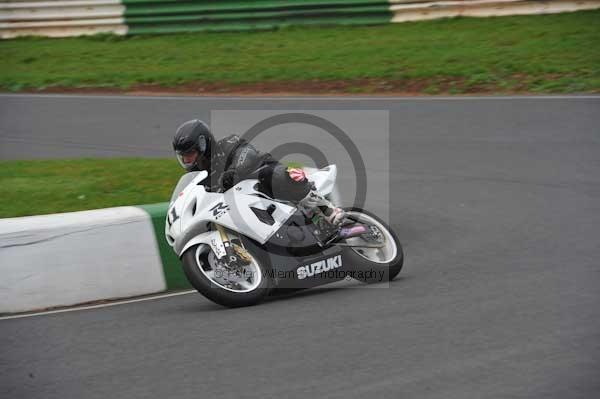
(323, 179)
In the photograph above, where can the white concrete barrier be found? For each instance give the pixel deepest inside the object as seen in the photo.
(71, 258)
(61, 10)
(62, 18)
(83, 17)
(406, 12)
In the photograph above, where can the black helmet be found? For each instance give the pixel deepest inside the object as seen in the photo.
(191, 136)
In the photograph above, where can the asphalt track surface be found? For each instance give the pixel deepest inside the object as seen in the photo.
(497, 202)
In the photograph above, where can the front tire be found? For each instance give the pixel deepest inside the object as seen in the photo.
(365, 268)
(196, 266)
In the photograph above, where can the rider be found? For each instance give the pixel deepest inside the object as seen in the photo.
(232, 159)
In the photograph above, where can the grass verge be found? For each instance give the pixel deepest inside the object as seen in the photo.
(548, 53)
(41, 187)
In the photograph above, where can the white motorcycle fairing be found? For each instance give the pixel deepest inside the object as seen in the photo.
(241, 209)
(324, 179)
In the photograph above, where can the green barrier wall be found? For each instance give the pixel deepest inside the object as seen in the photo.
(174, 276)
(65, 18)
(165, 16)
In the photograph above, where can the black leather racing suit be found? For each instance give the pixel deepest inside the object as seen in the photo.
(233, 159)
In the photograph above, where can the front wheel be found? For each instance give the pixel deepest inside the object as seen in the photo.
(374, 262)
(247, 286)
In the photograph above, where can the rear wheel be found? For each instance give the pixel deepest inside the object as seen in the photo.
(374, 260)
(244, 286)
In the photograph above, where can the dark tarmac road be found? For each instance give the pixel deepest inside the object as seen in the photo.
(496, 200)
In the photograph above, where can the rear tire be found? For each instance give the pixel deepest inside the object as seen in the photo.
(373, 272)
(217, 293)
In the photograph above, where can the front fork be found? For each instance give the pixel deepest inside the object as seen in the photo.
(229, 252)
(235, 255)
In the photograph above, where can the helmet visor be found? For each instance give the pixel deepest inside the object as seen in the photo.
(187, 159)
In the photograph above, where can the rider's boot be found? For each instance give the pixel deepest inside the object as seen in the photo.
(324, 215)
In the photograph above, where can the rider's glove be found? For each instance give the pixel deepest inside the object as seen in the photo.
(227, 180)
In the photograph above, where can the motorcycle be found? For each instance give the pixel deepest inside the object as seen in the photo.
(239, 246)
